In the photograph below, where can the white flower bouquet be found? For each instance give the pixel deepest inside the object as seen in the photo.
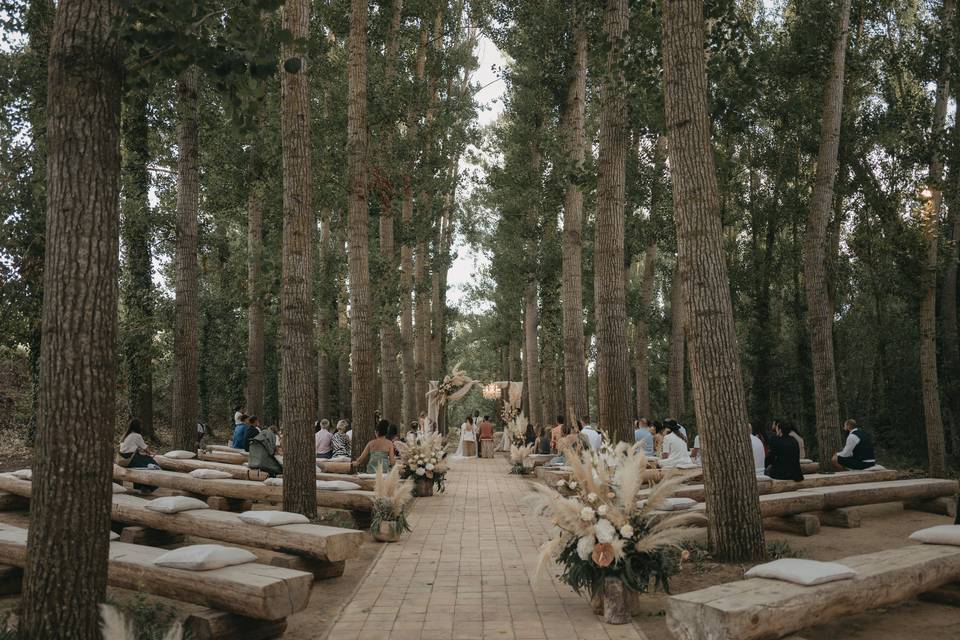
(603, 530)
(517, 430)
(424, 456)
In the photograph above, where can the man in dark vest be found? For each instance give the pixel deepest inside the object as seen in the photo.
(858, 451)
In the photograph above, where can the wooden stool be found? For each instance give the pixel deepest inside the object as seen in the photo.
(486, 448)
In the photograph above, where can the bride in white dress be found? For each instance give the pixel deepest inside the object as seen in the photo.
(467, 448)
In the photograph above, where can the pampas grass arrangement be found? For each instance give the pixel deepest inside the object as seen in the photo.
(391, 499)
(423, 456)
(518, 458)
(604, 530)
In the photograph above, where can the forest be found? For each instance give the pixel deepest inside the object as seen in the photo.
(729, 213)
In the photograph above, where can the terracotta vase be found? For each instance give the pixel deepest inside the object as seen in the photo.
(388, 531)
(423, 487)
(619, 601)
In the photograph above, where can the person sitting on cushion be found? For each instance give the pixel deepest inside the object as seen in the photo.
(783, 461)
(379, 452)
(263, 449)
(858, 452)
(674, 449)
(340, 442)
(239, 430)
(135, 449)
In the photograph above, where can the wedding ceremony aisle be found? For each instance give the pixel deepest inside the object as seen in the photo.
(467, 572)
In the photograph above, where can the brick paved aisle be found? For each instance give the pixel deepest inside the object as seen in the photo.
(466, 572)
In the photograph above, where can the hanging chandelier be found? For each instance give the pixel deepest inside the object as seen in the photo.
(491, 391)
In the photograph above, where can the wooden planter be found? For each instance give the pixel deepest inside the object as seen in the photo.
(388, 532)
(617, 603)
(423, 487)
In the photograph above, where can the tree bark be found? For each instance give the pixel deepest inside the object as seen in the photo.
(948, 300)
(255, 320)
(66, 571)
(361, 311)
(642, 337)
(819, 308)
(575, 142)
(138, 272)
(326, 313)
(613, 359)
(676, 390)
(407, 333)
(296, 285)
(187, 300)
(531, 311)
(734, 523)
(932, 417)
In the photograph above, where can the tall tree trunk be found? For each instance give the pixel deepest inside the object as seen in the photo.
(575, 141)
(676, 390)
(138, 271)
(819, 308)
(187, 297)
(255, 348)
(642, 336)
(421, 278)
(326, 313)
(613, 354)
(408, 336)
(531, 311)
(39, 25)
(361, 316)
(296, 285)
(734, 523)
(66, 569)
(344, 390)
(932, 417)
(948, 300)
(391, 391)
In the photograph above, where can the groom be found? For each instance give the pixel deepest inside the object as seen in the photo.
(485, 433)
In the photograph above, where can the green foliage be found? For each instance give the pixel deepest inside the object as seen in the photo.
(781, 549)
(640, 571)
(150, 620)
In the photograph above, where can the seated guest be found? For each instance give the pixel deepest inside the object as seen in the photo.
(674, 450)
(253, 430)
(263, 450)
(556, 433)
(659, 431)
(591, 436)
(140, 456)
(761, 433)
(695, 451)
(800, 443)
(783, 461)
(340, 441)
(759, 453)
(239, 430)
(543, 441)
(323, 439)
(530, 436)
(676, 427)
(378, 454)
(858, 451)
(644, 436)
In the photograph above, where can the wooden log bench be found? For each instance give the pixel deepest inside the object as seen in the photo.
(759, 608)
(331, 545)
(242, 472)
(767, 485)
(251, 590)
(224, 456)
(358, 502)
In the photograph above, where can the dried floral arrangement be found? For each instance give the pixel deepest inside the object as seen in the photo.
(517, 430)
(520, 463)
(604, 530)
(391, 499)
(424, 456)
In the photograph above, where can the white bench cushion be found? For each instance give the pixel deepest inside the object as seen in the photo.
(803, 572)
(273, 518)
(210, 474)
(204, 557)
(176, 504)
(180, 454)
(940, 534)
